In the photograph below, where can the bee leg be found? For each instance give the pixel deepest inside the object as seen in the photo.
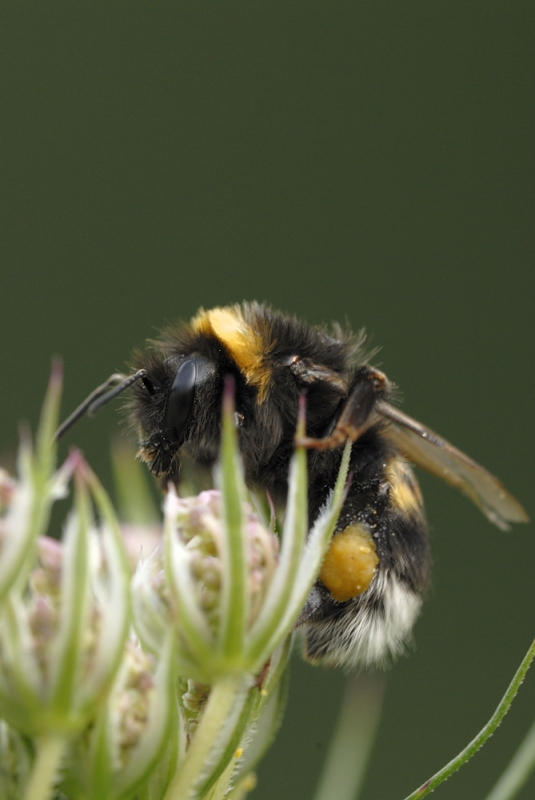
(308, 372)
(370, 386)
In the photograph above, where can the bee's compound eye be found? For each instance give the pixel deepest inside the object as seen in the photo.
(189, 374)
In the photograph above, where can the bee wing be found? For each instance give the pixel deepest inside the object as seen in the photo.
(428, 450)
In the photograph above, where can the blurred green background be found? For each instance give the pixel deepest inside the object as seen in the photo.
(369, 162)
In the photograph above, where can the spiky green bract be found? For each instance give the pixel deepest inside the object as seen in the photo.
(60, 648)
(28, 512)
(131, 732)
(300, 560)
(65, 607)
(234, 596)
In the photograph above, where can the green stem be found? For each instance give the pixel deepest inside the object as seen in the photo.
(351, 745)
(518, 770)
(50, 750)
(219, 710)
(483, 735)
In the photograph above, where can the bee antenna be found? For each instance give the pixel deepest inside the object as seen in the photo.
(99, 397)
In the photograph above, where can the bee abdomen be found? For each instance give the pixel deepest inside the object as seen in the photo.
(366, 630)
(368, 626)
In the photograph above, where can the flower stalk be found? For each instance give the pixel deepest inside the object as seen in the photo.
(50, 749)
(227, 699)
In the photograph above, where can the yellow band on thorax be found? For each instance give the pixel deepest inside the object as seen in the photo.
(243, 343)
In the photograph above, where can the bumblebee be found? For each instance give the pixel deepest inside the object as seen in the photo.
(369, 591)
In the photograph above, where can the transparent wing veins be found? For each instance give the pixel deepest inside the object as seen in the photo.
(428, 450)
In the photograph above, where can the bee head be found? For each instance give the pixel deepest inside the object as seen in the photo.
(171, 407)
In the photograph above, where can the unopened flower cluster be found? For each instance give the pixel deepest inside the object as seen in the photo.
(198, 523)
